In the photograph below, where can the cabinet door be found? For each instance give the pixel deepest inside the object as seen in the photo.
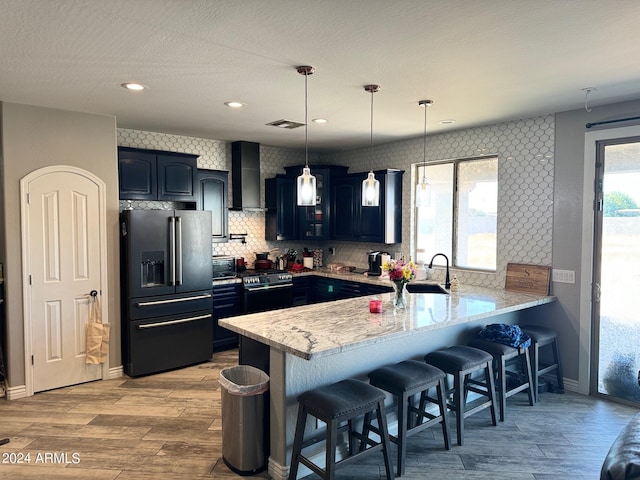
(314, 221)
(213, 196)
(137, 175)
(177, 177)
(371, 219)
(381, 224)
(345, 193)
(226, 303)
(281, 216)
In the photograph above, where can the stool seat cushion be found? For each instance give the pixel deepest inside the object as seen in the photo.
(494, 348)
(457, 358)
(540, 334)
(404, 376)
(335, 400)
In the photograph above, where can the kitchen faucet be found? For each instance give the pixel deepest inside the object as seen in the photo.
(447, 281)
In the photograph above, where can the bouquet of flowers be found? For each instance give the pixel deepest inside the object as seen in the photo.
(399, 270)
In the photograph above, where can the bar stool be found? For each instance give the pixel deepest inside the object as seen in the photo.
(502, 355)
(404, 380)
(542, 337)
(461, 361)
(333, 404)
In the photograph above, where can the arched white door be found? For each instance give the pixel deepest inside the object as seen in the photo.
(64, 258)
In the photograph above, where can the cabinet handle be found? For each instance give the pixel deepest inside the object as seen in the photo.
(173, 322)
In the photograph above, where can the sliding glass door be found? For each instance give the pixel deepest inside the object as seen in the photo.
(616, 282)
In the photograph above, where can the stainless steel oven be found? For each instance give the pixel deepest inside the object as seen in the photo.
(266, 290)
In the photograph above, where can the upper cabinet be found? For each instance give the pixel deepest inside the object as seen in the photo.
(351, 221)
(156, 175)
(314, 222)
(280, 201)
(338, 213)
(213, 195)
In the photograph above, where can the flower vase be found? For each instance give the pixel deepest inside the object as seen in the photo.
(400, 298)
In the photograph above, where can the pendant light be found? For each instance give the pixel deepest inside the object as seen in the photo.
(371, 186)
(306, 183)
(423, 189)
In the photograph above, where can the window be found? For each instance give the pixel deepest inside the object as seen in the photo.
(461, 220)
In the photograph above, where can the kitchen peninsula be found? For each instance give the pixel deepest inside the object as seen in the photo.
(318, 344)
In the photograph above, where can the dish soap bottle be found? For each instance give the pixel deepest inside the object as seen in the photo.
(455, 284)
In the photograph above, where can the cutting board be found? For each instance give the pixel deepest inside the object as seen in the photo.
(528, 278)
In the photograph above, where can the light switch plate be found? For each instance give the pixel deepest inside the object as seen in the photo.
(564, 276)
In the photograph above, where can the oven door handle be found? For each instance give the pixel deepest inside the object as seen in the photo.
(269, 287)
(173, 322)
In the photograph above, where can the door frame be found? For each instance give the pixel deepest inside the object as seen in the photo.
(588, 238)
(26, 259)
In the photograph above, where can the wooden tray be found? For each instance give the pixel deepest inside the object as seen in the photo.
(528, 278)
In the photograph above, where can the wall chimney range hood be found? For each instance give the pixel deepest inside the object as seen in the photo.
(245, 176)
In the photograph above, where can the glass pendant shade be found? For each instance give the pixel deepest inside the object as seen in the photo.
(423, 193)
(306, 189)
(370, 191)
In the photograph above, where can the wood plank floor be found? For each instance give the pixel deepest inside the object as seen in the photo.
(168, 426)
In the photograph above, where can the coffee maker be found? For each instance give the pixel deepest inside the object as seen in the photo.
(375, 263)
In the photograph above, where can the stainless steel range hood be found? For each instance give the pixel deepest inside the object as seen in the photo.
(245, 176)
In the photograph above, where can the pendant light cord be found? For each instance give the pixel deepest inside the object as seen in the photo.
(425, 104)
(306, 123)
(424, 143)
(371, 137)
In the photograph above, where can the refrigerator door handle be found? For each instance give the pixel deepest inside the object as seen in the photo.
(172, 250)
(172, 300)
(178, 253)
(173, 322)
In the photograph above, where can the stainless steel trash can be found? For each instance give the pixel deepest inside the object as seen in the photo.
(243, 418)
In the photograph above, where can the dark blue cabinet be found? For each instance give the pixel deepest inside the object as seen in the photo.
(281, 215)
(227, 300)
(351, 221)
(156, 175)
(213, 196)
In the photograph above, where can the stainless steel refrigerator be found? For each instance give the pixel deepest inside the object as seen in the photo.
(166, 289)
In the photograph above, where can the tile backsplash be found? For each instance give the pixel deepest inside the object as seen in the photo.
(525, 150)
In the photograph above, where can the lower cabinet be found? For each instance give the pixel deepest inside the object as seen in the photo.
(227, 301)
(304, 290)
(329, 289)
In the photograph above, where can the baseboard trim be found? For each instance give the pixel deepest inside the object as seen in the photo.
(277, 471)
(14, 393)
(115, 372)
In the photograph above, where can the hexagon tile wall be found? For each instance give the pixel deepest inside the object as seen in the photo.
(525, 202)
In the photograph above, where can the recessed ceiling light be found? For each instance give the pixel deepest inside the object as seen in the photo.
(447, 121)
(319, 120)
(136, 87)
(234, 104)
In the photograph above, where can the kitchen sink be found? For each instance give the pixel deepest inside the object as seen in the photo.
(425, 288)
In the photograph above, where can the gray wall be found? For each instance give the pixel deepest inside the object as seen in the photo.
(35, 137)
(572, 234)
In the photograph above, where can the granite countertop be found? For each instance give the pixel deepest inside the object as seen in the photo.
(328, 328)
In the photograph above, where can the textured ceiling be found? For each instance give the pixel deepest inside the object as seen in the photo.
(480, 62)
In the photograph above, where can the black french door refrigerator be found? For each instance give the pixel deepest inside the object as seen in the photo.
(166, 289)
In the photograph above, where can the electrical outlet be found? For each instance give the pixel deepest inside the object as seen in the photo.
(564, 276)
(332, 251)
